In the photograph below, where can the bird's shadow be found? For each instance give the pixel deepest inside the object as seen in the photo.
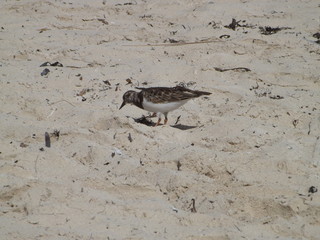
(183, 127)
(146, 121)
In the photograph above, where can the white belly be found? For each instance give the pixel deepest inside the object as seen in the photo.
(162, 107)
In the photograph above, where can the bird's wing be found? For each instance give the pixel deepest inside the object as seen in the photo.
(162, 94)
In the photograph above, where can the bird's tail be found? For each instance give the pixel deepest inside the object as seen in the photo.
(200, 93)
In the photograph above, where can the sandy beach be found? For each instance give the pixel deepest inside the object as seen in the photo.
(242, 163)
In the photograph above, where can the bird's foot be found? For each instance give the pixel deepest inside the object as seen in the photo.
(157, 124)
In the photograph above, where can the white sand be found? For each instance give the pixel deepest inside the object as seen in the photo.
(247, 158)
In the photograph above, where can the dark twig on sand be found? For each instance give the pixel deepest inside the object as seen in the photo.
(47, 139)
(242, 69)
(193, 209)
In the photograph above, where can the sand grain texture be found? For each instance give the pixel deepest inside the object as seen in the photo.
(247, 154)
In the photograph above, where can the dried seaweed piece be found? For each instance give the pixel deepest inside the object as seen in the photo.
(271, 30)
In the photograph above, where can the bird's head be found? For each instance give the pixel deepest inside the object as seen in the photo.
(128, 97)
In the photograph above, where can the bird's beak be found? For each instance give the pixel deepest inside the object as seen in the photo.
(124, 103)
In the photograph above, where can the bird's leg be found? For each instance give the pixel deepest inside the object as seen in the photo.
(159, 120)
(165, 118)
(153, 115)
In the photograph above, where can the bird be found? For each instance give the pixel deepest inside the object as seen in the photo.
(160, 100)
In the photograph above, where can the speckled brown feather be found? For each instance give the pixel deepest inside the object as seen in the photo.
(165, 94)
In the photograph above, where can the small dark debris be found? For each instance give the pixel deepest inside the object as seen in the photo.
(254, 87)
(16, 161)
(45, 72)
(276, 97)
(103, 21)
(171, 40)
(193, 209)
(141, 163)
(271, 30)
(113, 154)
(316, 35)
(295, 122)
(241, 69)
(107, 163)
(23, 145)
(45, 64)
(129, 81)
(107, 82)
(47, 140)
(179, 165)
(55, 64)
(178, 119)
(213, 24)
(145, 16)
(117, 86)
(41, 149)
(225, 36)
(130, 138)
(312, 189)
(56, 133)
(233, 25)
(83, 92)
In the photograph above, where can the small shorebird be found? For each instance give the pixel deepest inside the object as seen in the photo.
(160, 100)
